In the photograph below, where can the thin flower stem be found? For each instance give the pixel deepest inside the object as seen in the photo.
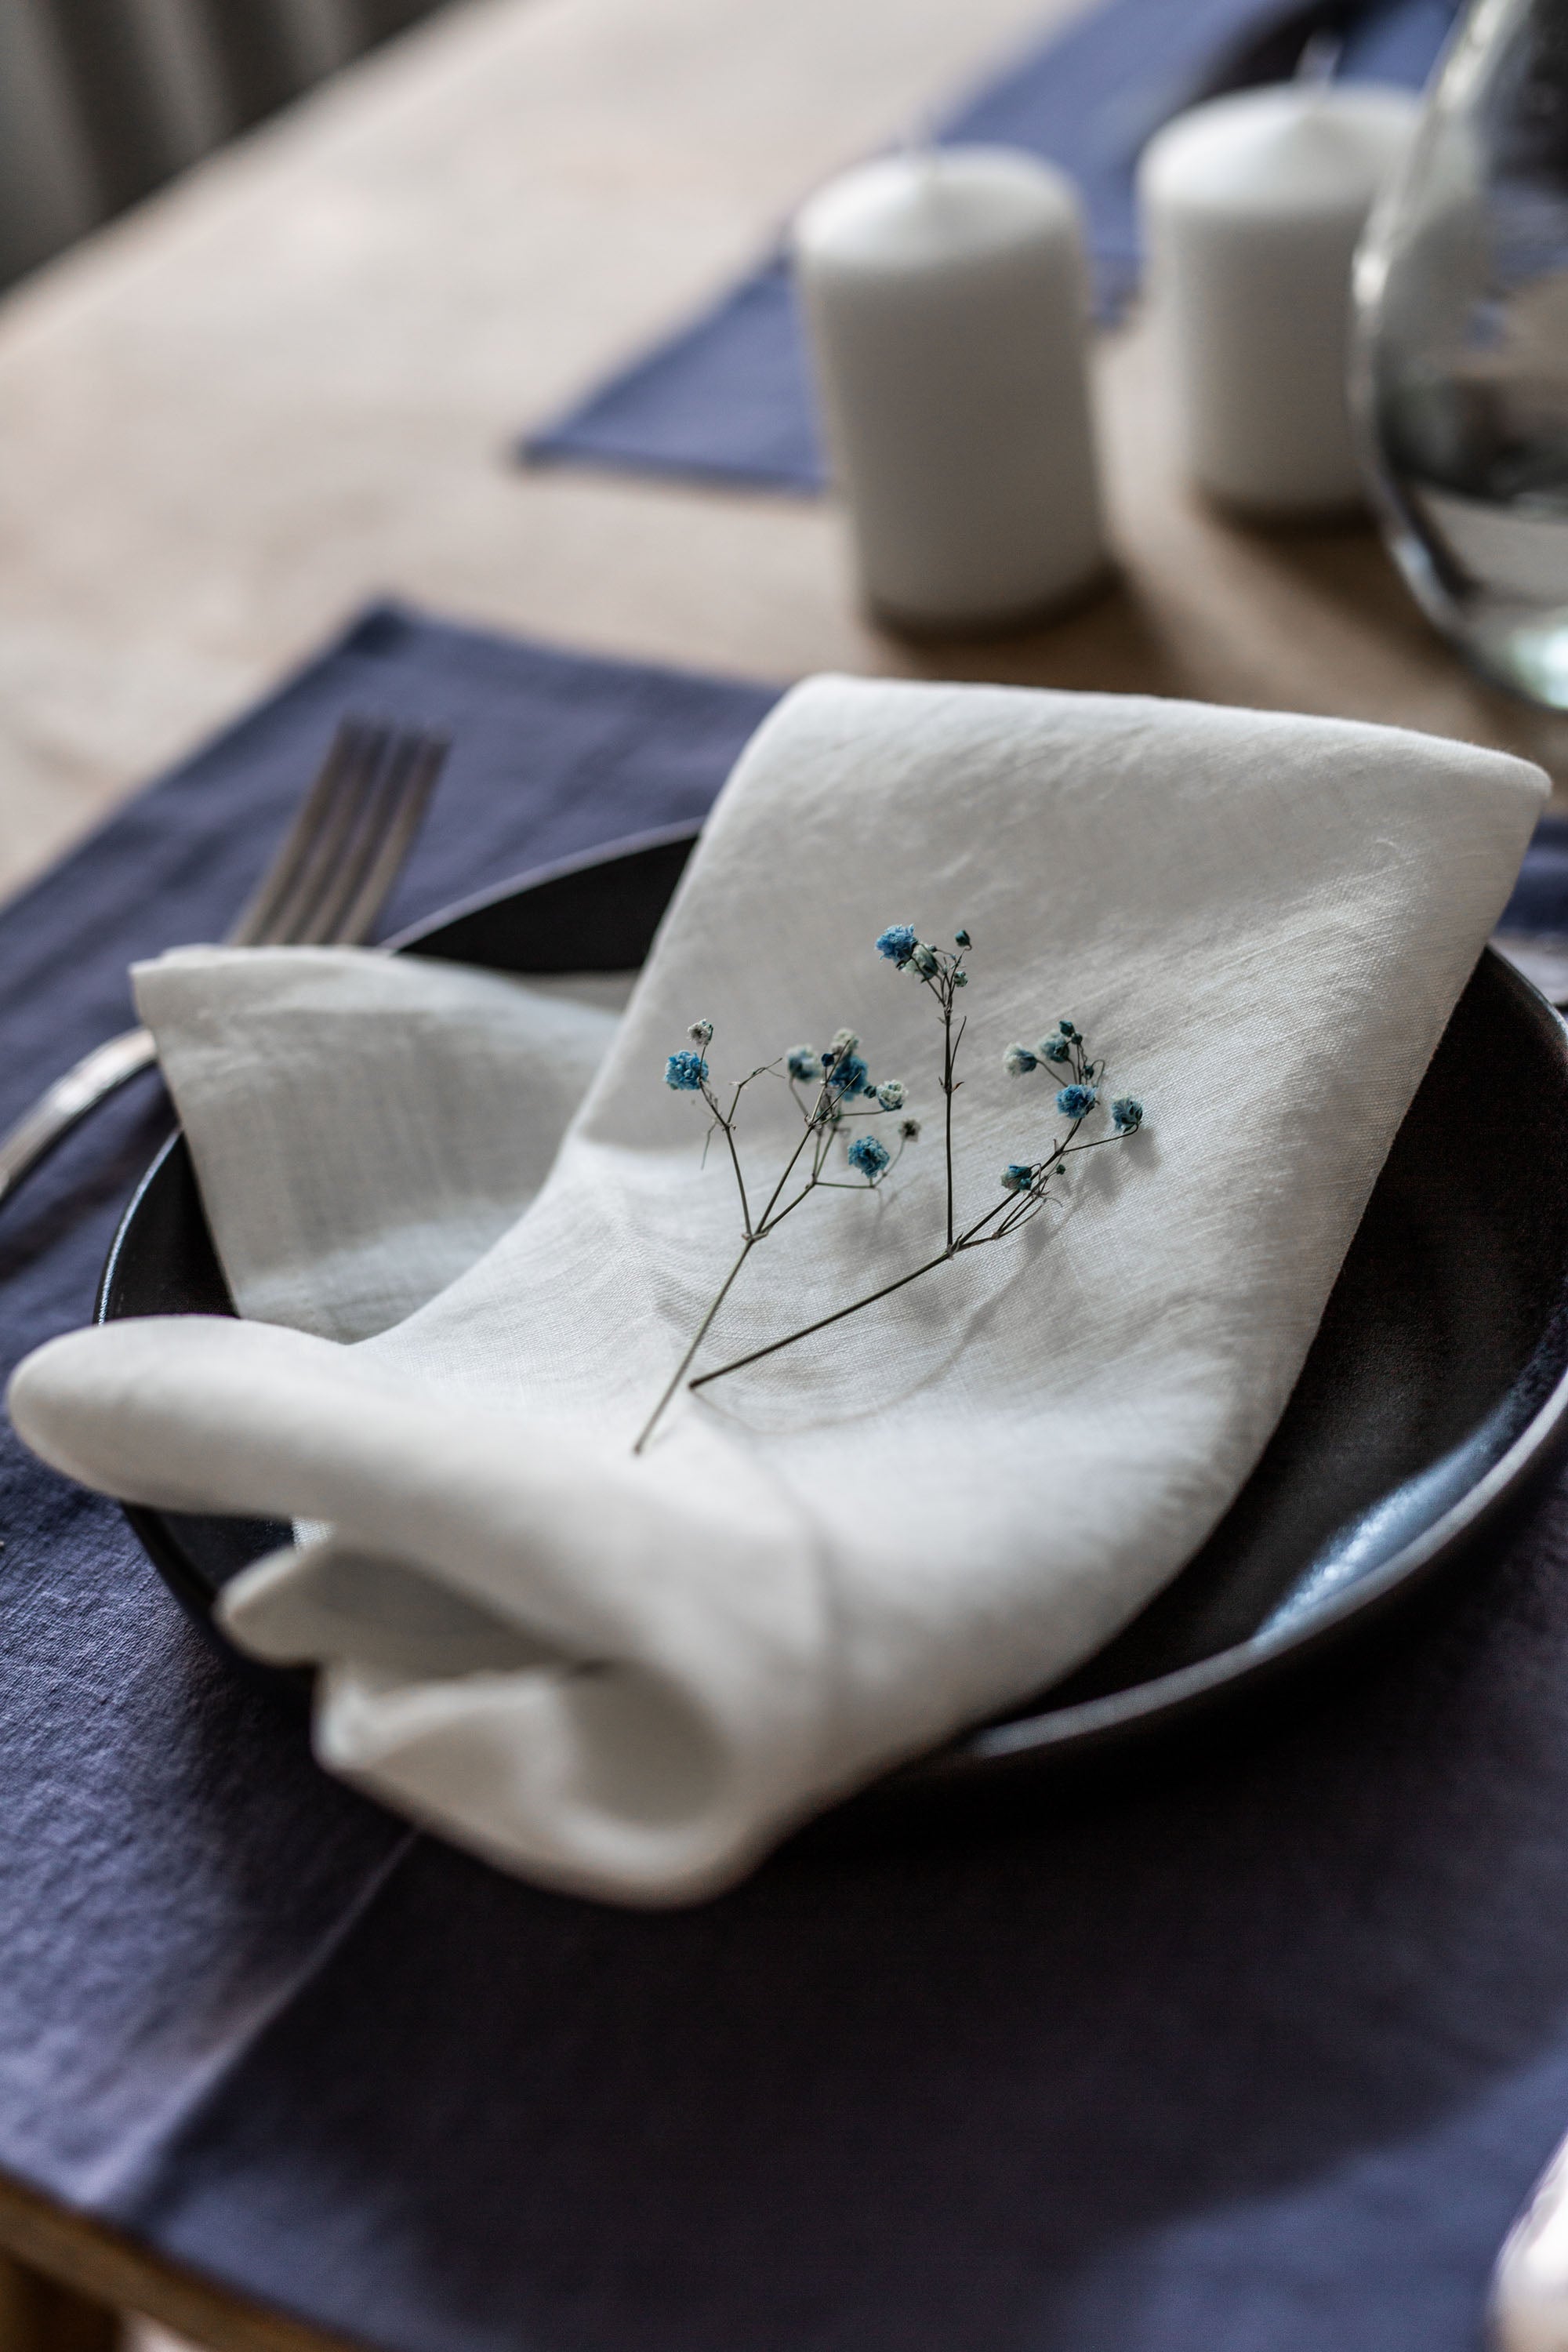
(1029, 1205)
(822, 1323)
(727, 1121)
(973, 1237)
(976, 1232)
(813, 1183)
(812, 1124)
(702, 1333)
(828, 1118)
(947, 1100)
(739, 1180)
(942, 988)
(768, 1220)
(727, 1124)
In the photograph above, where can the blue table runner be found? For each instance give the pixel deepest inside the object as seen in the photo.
(1257, 2060)
(726, 397)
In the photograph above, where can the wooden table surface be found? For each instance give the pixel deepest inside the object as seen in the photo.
(290, 383)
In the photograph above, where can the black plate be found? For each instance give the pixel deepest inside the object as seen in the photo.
(1435, 1398)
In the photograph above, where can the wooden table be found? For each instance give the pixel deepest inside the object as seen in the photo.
(64, 2281)
(291, 383)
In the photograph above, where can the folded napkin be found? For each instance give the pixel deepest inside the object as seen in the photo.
(630, 1676)
(365, 1126)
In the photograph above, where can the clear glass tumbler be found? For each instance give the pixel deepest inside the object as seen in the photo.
(1460, 382)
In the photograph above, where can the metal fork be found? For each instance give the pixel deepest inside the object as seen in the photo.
(329, 881)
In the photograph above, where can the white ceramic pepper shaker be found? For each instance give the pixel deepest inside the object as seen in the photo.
(1252, 207)
(945, 295)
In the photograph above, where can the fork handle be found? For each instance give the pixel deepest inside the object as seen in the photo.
(70, 1097)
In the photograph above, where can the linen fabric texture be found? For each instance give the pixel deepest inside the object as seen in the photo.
(630, 1676)
(365, 1126)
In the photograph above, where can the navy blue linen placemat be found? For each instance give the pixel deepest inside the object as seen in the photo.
(726, 398)
(1539, 901)
(1261, 2061)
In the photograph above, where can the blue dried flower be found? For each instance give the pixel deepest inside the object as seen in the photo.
(890, 1094)
(1054, 1049)
(909, 1128)
(960, 939)
(1017, 1178)
(1127, 1112)
(802, 1061)
(868, 1156)
(686, 1072)
(848, 1074)
(1077, 1102)
(1069, 1028)
(923, 958)
(897, 943)
(1017, 1061)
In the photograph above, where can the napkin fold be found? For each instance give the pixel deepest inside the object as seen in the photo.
(629, 1676)
(364, 1125)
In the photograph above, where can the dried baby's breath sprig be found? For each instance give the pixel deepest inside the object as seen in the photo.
(942, 972)
(837, 1097)
(1026, 1185)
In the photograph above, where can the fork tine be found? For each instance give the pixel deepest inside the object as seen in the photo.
(380, 798)
(340, 858)
(374, 817)
(327, 882)
(256, 920)
(293, 917)
(406, 814)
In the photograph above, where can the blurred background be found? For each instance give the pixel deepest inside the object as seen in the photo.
(101, 99)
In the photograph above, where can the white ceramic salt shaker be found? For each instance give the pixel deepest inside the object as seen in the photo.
(945, 295)
(1252, 207)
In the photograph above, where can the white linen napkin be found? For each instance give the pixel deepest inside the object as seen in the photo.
(630, 1676)
(364, 1125)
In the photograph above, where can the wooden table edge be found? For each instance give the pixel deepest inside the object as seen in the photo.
(106, 2266)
